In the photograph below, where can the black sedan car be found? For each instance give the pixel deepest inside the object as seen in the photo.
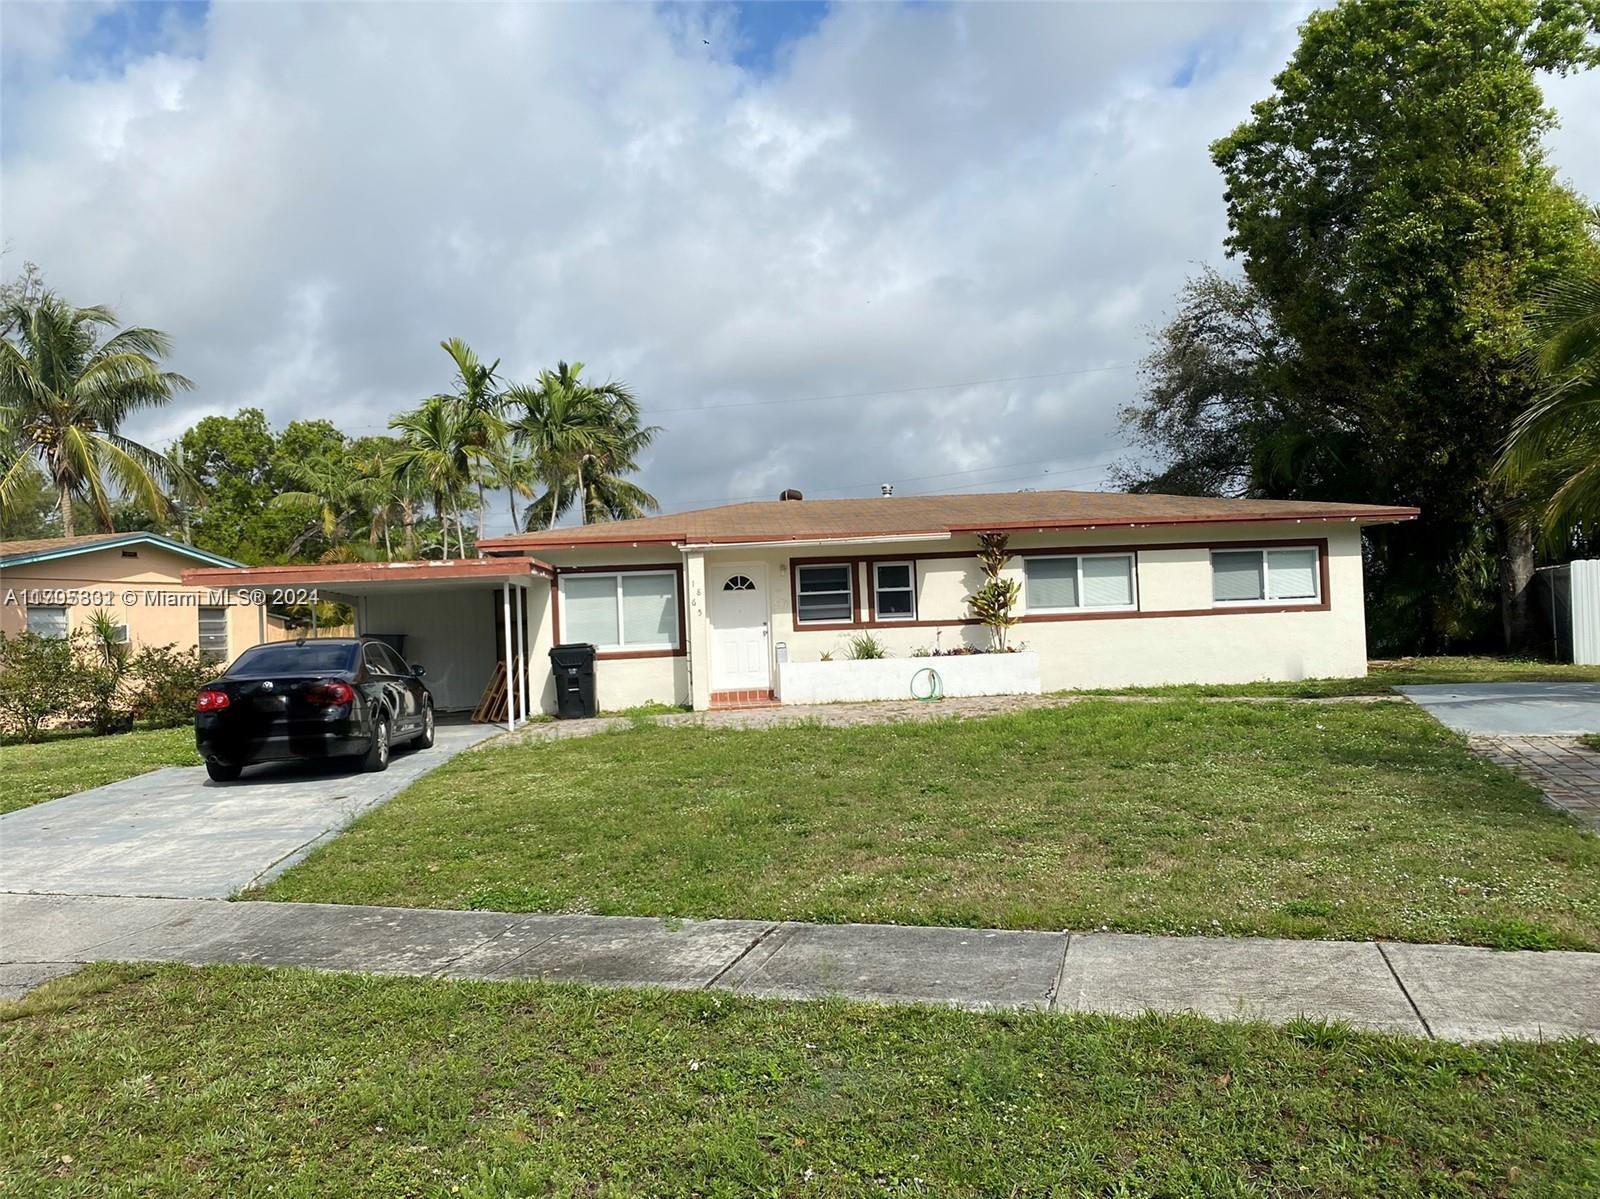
(328, 698)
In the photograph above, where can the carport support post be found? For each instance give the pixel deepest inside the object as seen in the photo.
(522, 655)
(511, 682)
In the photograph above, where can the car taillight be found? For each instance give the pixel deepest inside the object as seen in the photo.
(330, 693)
(211, 701)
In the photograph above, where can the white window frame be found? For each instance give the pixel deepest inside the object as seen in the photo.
(910, 587)
(616, 576)
(849, 569)
(66, 620)
(199, 640)
(1266, 576)
(1080, 606)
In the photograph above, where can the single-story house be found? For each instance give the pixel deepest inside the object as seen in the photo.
(54, 585)
(741, 603)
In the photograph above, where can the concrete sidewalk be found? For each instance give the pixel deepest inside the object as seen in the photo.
(1446, 991)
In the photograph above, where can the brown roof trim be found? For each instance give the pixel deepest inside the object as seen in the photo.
(1375, 516)
(1367, 516)
(371, 572)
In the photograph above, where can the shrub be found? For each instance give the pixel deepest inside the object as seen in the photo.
(36, 682)
(994, 603)
(165, 679)
(864, 647)
(100, 674)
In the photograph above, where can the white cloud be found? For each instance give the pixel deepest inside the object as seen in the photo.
(308, 197)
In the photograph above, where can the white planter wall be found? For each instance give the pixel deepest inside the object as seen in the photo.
(890, 678)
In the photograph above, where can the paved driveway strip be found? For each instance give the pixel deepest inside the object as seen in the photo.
(174, 833)
(1511, 709)
(1449, 991)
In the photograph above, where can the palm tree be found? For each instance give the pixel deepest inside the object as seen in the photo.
(509, 468)
(64, 394)
(434, 458)
(1553, 450)
(479, 401)
(330, 489)
(583, 439)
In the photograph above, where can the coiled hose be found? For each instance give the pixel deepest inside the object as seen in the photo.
(935, 684)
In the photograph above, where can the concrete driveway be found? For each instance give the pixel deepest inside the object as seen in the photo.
(1512, 709)
(175, 833)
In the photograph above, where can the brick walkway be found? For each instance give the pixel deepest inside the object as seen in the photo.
(890, 711)
(1566, 771)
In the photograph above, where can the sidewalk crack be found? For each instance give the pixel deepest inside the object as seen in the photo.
(746, 952)
(1061, 973)
(1399, 982)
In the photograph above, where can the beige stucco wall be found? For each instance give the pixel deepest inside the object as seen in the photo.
(1135, 649)
(133, 588)
(1236, 645)
(620, 682)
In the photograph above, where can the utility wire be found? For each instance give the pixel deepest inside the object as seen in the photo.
(852, 395)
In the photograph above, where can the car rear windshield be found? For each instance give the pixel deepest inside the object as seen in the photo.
(288, 658)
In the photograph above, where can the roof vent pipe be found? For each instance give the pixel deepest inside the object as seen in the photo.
(791, 494)
(888, 489)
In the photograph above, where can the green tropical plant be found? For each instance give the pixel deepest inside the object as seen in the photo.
(479, 403)
(434, 458)
(65, 393)
(100, 673)
(1553, 449)
(583, 438)
(994, 603)
(330, 493)
(864, 647)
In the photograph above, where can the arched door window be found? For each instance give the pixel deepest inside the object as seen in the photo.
(738, 583)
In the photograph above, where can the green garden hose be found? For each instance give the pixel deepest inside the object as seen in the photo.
(935, 684)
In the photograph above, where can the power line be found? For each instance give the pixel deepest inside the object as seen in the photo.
(860, 395)
(867, 395)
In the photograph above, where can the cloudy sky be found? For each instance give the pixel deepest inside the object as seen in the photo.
(829, 246)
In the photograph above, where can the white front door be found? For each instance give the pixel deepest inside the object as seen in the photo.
(738, 612)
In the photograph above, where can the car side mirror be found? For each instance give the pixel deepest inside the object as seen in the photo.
(418, 672)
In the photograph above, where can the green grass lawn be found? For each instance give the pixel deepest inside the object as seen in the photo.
(237, 1080)
(75, 761)
(1385, 675)
(1299, 820)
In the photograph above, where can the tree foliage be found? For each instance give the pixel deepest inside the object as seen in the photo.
(66, 389)
(1553, 451)
(1395, 217)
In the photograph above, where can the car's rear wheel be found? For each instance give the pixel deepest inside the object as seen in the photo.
(221, 772)
(377, 755)
(425, 738)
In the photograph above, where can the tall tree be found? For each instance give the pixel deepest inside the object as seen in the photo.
(64, 395)
(1553, 451)
(434, 459)
(1395, 216)
(476, 397)
(584, 438)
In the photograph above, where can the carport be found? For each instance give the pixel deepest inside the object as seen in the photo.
(455, 618)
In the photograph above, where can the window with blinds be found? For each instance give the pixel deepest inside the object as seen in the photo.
(824, 594)
(1079, 581)
(214, 634)
(622, 611)
(1266, 576)
(46, 621)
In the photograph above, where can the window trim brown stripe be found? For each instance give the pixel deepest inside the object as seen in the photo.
(866, 562)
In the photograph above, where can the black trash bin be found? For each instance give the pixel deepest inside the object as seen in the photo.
(573, 666)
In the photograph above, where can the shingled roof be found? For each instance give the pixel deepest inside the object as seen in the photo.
(43, 549)
(923, 515)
